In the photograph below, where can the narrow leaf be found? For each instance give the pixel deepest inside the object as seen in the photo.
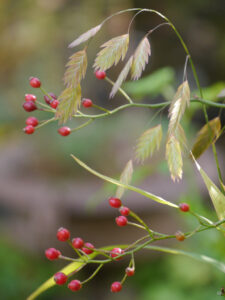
(174, 158)
(217, 197)
(140, 60)
(148, 142)
(207, 135)
(125, 186)
(76, 68)
(85, 36)
(125, 178)
(177, 108)
(113, 50)
(219, 265)
(70, 100)
(121, 78)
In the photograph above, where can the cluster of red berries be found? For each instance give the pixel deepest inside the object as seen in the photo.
(125, 211)
(87, 248)
(50, 99)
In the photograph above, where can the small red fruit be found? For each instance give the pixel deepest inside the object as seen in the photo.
(64, 131)
(60, 278)
(125, 211)
(100, 74)
(121, 221)
(52, 253)
(77, 243)
(115, 252)
(29, 106)
(29, 129)
(116, 287)
(180, 236)
(63, 234)
(35, 82)
(54, 104)
(48, 100)
(115, 202)
(86, 250)
(130, 271)
(87, 103)
(30, 97)
(184, 207)
(32, 121)
(75, 285)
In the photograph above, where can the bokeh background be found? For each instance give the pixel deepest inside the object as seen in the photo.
(41, 188)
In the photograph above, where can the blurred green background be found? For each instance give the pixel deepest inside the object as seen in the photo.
(41, 189)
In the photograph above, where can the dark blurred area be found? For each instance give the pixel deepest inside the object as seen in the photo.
(41, 187)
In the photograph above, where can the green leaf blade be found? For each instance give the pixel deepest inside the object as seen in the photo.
(126, 186)
(207, 135)
(217, 197)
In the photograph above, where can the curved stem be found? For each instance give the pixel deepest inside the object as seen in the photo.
(120, 90)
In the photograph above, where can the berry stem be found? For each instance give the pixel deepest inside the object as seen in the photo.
(43, 123)
(136, 225)
(82, 125)
(77, 251)
(136, 217)
(93, 275)
(101, 108)
(120, 90)
(45, 106)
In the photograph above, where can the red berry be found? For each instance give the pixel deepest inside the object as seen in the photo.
(48, 100)
(115, 202)
(125, 211)
(130, 271)
(29, 129)
(115, 252)
(35, 82)
(87, 103)
(60, 278)
(180, 236)
(86, 250)
(184, 207)
(63, 234)
(116, 287)
(54, 103)
(29, 106)
(30, 97)
(77, 243)
(75, 285)
(100, 74)
(121, 221)
(52, 253)
(32, 121)
(64, 131)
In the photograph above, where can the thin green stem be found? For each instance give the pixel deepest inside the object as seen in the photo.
(136, 217)
(45, 106)
(45, 122)
(120, 90)
(77, 251)
(82, 125)
(136, 225)
(93, 275)
(101, 108)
